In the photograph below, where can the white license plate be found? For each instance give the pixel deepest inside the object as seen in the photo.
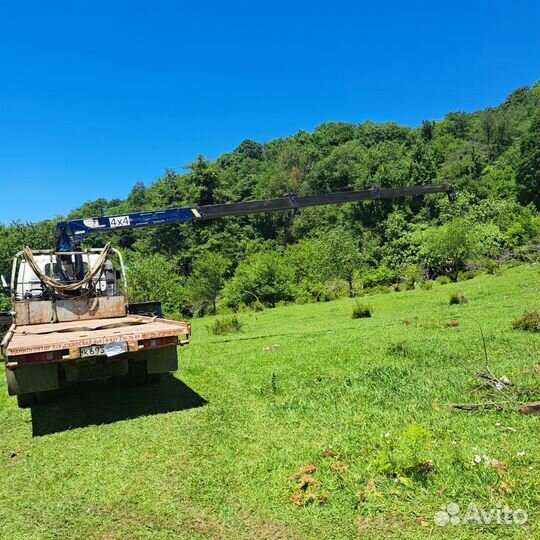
(93, 350)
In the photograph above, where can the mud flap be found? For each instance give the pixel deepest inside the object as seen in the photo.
(159, 360)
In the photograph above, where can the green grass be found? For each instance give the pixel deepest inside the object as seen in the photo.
(217, 451)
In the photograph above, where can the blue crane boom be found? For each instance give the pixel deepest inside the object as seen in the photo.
(69, 234)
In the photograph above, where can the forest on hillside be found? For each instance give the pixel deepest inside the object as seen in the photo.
(492, 157)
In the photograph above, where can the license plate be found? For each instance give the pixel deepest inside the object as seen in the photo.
(93, 350)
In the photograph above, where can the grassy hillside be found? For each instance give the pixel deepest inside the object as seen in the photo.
(221, 450)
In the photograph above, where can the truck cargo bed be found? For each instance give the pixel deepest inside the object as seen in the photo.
(71, 336)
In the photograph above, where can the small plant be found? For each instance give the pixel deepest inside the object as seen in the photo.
(529, 322)
(443, 280)
(399, 349)
(361, 311)
(457, 298)
(273, 383)
(427, 285)
(225, 325)
(405, 456)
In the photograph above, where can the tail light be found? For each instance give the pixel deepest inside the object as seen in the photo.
(36, 358)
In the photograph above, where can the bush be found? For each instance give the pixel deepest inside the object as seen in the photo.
(427, 285)
(156, 277)
(379, 276)
(447, 248)
(414, 275)
(457, 298)
(491, 267)
(225, 325)
(258, 306)
(443, 280)
(464, 276)
(530, 322)
(361, 311)
(263, 276)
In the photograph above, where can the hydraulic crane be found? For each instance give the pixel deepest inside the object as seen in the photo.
(72, 319)
(69, 234)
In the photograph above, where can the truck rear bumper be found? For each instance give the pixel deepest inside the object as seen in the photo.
(28, 378)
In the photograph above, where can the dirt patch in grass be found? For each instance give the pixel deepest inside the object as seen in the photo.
(307, 490)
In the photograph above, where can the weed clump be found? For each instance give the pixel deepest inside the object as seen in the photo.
(529, 321)
(361, 311)
(405, 456)
(399, 349)
(443, 280)
(457, 298)
(225, 325)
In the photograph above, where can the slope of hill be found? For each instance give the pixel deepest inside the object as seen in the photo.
(306, 425)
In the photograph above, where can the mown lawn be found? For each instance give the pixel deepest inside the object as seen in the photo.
(354, 411)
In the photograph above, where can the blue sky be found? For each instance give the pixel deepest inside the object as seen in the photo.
(95, 96)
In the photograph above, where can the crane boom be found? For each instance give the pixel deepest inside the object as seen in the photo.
(70, 233)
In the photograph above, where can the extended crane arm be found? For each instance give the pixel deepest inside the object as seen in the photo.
(70, 233)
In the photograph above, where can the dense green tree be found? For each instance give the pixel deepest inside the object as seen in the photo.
(446, 249)
(204, 182)
(428, 130)
(491, 156)
(263, 277)
(207, 280)
(528, 167)
(155, 278)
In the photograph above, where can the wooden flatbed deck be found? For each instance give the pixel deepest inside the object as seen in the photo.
(71, 336)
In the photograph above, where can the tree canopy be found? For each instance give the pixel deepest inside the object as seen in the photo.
(491, 156)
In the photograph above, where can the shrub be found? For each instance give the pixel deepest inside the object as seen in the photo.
(443, 280)
(225, 325)
(156, 277)
(464, 276)
(263, 276)
(427, 285)
(492, 267)
(457, 298)
(258, 306)
(380, 276)
(414, 275)
(530, 322)
(361, 311)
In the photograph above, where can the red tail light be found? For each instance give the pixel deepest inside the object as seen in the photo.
(50, 356)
